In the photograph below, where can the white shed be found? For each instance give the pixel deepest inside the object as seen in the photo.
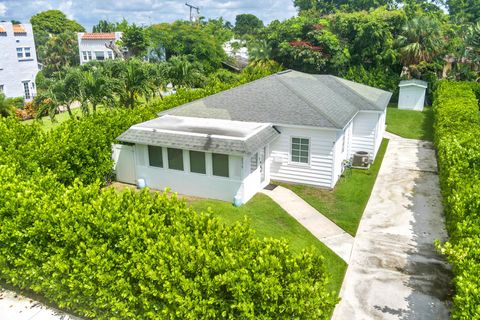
(412, 94)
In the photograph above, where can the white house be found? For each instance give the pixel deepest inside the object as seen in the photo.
(412, 94)
(18, 60)
(291, 126)
(91, 46)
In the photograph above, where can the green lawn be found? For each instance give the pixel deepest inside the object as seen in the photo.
(410, 124)
(345, 204)
(270, 220)
(47, 124)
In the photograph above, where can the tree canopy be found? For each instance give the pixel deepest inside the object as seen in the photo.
(247, 23)
(184, 38)
(50, 23)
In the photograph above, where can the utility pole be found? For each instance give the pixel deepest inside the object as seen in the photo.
(193, 8)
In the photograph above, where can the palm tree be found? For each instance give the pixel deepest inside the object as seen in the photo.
(98, 88)
(6, 107)
(421, 40)
(134, 82)
(61, 51)
(183, 73)
(260, 53)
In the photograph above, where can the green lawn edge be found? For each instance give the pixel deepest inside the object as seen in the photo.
(269, 220)
(410, 124)
(344, 205)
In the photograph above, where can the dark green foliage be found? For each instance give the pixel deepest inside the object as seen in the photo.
(330, 6)
(135, 39)
(246, 24)
(456, 138)
(464, 11)
(378, 77)
(185, 39)
(49, 24)
(104, 26)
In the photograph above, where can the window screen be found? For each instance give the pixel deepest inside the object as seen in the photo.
(254, 162)
(300, 149)
(155, 156)
(220, 164)
(175, 159)
(197, 162)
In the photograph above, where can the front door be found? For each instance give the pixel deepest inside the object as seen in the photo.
(261, 159)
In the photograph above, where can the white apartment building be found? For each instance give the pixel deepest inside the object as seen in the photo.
(18, 60)
(91, 46)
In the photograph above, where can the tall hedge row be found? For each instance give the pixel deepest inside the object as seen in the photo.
(105, 254)
(457, 138)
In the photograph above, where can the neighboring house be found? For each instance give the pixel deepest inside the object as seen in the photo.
(237, 53)
(291, 126)
(18, 60)
(92, 46)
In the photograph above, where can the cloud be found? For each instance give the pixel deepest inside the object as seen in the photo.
(3, 9)
(88, 12)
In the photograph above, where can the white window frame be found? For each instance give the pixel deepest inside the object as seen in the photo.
(291, 151)
(24, 51)
(84, 55)
(26, 89)
(89, 55)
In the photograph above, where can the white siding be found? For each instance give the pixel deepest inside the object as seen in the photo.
(189, 183)
(94, 45)
(15, 71)
(380, 130)
(364, 128)
(342, 150)
(319, 171)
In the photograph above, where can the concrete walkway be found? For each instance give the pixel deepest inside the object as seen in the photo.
(321, 227)
(395, 271)
(17, 307)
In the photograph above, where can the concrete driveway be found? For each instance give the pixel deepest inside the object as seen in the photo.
(395, 271)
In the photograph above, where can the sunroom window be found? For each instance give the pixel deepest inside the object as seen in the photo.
(197, 162)
(175, 159)
(220, 165)
(155, 156)
(300, 150)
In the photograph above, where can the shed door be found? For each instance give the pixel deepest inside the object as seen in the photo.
(124, 166)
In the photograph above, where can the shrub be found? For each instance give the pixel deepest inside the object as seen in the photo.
(138, 255)
(456, 138)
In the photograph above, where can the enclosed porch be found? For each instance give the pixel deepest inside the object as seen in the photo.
(218, 159)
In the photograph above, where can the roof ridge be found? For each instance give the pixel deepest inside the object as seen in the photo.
(335, 123)
(354, 91)
(182, 106)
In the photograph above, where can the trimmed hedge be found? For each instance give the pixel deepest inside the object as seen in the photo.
(135, 255)
(457, 132)
(138, 255)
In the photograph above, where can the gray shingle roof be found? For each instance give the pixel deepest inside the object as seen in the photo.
(290, 97)
(228, 137)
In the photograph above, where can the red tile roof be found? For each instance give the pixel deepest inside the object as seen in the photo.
(18, 28)
(99, 36)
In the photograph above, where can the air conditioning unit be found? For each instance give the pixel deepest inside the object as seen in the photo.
(361, 159)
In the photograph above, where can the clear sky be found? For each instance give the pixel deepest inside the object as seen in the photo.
(88, 12)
